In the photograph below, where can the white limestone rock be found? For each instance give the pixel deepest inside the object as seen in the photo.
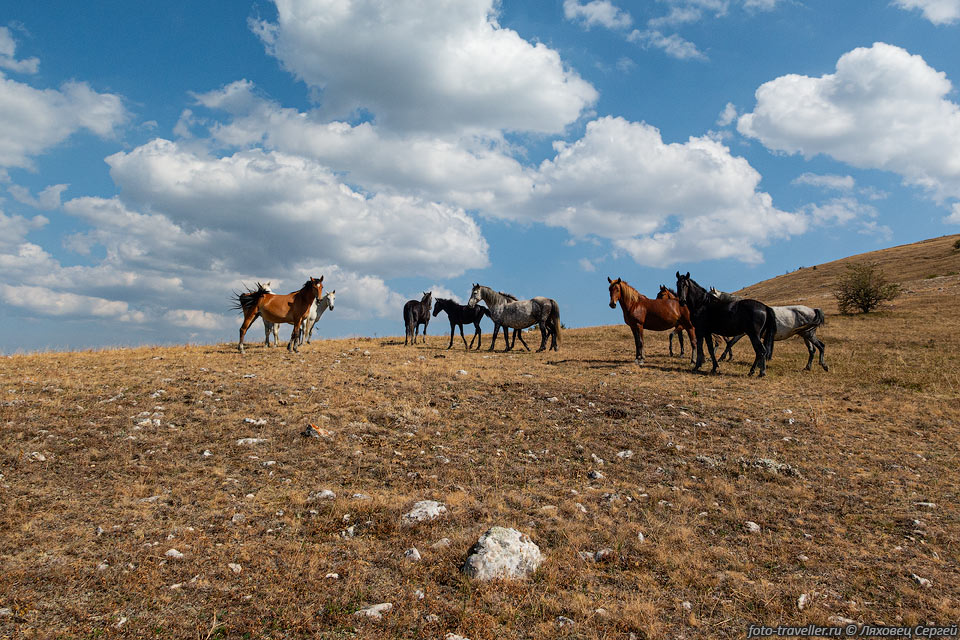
(502, 553)
(423, 511)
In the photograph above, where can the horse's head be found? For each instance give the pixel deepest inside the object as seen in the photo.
(266, 287)
(713, 292)
(438, 306)
(474, 296)
(665, 293)
(615, 291)
(317, 285)
(684, 288)
(426, 297)
(331, 298)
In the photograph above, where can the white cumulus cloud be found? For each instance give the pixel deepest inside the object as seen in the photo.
(936, 11)
(597, 12)
(434, 65)
(883, 108)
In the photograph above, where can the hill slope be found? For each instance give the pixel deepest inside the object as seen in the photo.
(920, 266)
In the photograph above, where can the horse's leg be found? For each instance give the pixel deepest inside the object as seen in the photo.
(699, 359)
(810, 350)
(728, 351)
(476, 336)
(637, 342)
(496, 330)
(519, 334)
(247, 321)
(425, 331)
(819, 345)
(671, 343)
(267, 330)
(713, 355)
(463, 337)
(542, 325)
(761, 355)
(452, 330)
(294, 336)
(693, 348)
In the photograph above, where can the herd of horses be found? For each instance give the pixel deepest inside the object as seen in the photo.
(704, 315)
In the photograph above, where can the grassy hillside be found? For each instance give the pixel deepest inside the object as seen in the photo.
(921, 266)
(110, 459)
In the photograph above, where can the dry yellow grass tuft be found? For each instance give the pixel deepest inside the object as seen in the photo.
(110, 459)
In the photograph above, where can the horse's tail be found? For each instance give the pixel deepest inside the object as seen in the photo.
(818, 319)
(248, 299)
(554, 319)
(770, 329)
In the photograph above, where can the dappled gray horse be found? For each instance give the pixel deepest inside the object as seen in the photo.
(520, 314)
(793, 320)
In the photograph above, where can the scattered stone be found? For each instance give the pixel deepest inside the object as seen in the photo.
(332, 576)
(687, 606)
(250, 441)
(461, 372)
(6, 612)
(207, 453)
(926, 505)
(238, 518)
(376, 611)
(707, 460)
(412, 555)
(103, 566)
(442, 543)
(751, 527)
(349, 532)
(174, 554)
(595, 475)
(640, 537)
(419, 594)
(36, 456)
(259, 422)
(838, 620)
(597, 460)
(625, 454)
(768, 464)
(432, 618)
(502, 553)
(802, 558)
(422, 511)
(604, 554)
(803, 601)
(923, 582)
(99, 531)
(361, 496)
(563, 621)
(553, 399)
(236, 568)
(325, 494)
(452, 636)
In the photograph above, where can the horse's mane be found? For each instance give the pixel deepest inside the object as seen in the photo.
(508, 296)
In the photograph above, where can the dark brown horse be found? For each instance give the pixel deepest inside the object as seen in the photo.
(291, 308)
(641, 312)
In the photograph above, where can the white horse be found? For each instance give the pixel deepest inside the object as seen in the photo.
(520, 314)
(793, 320)
(316, 310)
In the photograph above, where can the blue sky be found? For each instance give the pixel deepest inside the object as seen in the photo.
(155, 156)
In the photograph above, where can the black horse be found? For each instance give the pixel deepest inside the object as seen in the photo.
(416, 314)
(459, 315)
(712, 316)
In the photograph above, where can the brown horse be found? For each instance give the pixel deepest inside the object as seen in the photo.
(667, 293)
(291, 308)
(640, 311)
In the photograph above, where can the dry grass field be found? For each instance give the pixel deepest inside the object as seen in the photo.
(109, 459)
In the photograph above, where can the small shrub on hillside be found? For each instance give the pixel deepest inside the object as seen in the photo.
(863, 287)
(956, 244)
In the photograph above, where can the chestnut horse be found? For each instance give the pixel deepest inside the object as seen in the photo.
(640, 311)
(291, 308)
(666, 293)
